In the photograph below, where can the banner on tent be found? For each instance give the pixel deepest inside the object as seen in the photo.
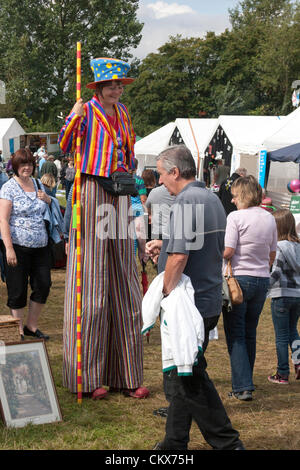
(295, 204)
(262, 167)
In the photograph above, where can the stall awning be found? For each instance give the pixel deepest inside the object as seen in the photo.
(286, 154)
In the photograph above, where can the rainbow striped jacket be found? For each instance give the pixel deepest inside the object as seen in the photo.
(101, 147)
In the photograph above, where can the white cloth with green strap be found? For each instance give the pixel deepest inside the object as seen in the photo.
(181, 324)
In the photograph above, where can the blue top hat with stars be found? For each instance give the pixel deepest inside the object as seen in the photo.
(106, 69)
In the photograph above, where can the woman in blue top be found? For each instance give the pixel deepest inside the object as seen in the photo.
(25, 242)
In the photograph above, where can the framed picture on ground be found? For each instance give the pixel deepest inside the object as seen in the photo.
(27, 390)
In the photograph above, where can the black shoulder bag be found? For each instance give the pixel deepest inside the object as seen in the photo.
(119, 184)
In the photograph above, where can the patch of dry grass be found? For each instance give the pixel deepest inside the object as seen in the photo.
(270, 421)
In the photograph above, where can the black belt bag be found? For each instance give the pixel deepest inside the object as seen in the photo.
(119, 184)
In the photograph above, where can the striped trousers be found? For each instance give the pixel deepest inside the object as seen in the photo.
(112, 348)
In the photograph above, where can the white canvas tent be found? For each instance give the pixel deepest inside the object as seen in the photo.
(281, 172)
(246, 135)
(195, 133)
(147, 148)
(10, 132)
(287, 134)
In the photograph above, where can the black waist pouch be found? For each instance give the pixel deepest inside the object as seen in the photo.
(119, 184)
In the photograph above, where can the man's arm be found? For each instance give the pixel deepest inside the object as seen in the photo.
(174, 268)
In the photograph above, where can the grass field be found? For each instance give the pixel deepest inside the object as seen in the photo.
(269, 422)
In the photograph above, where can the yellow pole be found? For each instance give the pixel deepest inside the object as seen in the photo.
(78, 230)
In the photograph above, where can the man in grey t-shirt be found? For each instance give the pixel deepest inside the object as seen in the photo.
(158, 204)
(197, 229)
(194, 247)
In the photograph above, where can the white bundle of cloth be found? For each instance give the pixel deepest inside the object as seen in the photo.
(181, 324)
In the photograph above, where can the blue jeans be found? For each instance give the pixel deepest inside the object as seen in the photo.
(240, 329)
(285, 315)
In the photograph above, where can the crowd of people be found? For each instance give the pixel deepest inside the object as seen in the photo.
(230, 226)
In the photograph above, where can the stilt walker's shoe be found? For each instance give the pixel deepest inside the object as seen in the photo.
(99, 393)
(141, 392)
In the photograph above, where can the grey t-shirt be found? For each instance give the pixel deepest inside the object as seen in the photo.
(197, 229)
(160, 202)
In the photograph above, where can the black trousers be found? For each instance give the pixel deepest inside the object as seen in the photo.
(195, 397)
(33, 265)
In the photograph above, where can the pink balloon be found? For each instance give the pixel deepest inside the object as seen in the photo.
(295, 186)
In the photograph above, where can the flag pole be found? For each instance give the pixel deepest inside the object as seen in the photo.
(78, 229)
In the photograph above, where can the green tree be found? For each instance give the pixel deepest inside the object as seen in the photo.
(279, 59)
(262, 51)
(175, 82)
(38, 49)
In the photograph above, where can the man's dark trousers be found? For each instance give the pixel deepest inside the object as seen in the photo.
(195, 397)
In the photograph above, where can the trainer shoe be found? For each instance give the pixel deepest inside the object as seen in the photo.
(297, 371)
(246, 395)
(163, 412)
(278, 379)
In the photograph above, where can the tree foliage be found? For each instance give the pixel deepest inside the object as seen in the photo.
(246, 70)
(38, 49)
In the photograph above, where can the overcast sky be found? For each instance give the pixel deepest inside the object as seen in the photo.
(190, 18)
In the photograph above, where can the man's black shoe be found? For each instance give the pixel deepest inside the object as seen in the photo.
(240, 447)
(36, 334)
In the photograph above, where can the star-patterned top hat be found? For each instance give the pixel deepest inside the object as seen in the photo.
(106, 69)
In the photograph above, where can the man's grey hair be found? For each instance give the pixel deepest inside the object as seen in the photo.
(178, 156)
(241, 171)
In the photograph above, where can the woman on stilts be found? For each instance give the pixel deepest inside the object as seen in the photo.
(112, 349)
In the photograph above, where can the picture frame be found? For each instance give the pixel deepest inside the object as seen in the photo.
(27, 389)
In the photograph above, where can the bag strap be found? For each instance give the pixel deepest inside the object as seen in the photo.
(37, 183)
(228, 268)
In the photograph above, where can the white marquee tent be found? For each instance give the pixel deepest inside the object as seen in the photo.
(246, 135)
(147, 148)
(281, 172)
(287, 134)
(10, 132)
(195, 133)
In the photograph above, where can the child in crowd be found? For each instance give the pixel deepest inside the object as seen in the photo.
(49, 183)
(285, 294)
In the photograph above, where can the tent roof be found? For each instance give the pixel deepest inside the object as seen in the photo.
(41, 133)
(155, 142)
(287, 134)
(7, 123)
(247, 133)
(196, 133)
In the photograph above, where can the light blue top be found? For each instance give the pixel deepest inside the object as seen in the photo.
(27, 226)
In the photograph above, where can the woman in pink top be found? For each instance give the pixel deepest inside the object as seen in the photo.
(250, 244)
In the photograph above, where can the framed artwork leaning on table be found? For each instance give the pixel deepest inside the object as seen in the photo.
(27, 389)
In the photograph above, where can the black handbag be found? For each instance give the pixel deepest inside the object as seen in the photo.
(119, 184)
(124, 184)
